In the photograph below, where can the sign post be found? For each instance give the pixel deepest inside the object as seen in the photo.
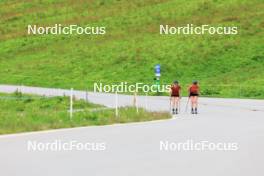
(157, 76)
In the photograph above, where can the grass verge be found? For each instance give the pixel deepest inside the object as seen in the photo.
(24, 113)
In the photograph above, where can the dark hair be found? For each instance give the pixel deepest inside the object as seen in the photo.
(176, 82)
(195, 82)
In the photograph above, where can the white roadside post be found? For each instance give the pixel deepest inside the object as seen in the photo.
(86, 95)
(116, 104)
(146, 101)
(136, 98)
(71, 104)
(21, 89)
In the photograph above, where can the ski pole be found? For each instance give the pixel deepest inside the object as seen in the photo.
(186, 108)
(170, 104)
(179, 104)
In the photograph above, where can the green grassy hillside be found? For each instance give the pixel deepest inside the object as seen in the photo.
(132, 45)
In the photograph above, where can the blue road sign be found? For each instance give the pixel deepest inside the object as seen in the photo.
(157, 70)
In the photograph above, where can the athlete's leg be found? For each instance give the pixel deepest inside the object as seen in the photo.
(173, 104)
(176, 104)
(173, 101)
(192, 103)
(196, 104)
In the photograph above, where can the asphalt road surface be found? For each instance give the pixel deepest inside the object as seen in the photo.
(231, 131)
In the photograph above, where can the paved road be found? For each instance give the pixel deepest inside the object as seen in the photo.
(152, 103)
(134, 149)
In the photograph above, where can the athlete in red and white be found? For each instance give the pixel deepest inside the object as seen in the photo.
(175, 93)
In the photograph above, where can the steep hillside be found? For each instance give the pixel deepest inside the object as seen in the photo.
(226, 66)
